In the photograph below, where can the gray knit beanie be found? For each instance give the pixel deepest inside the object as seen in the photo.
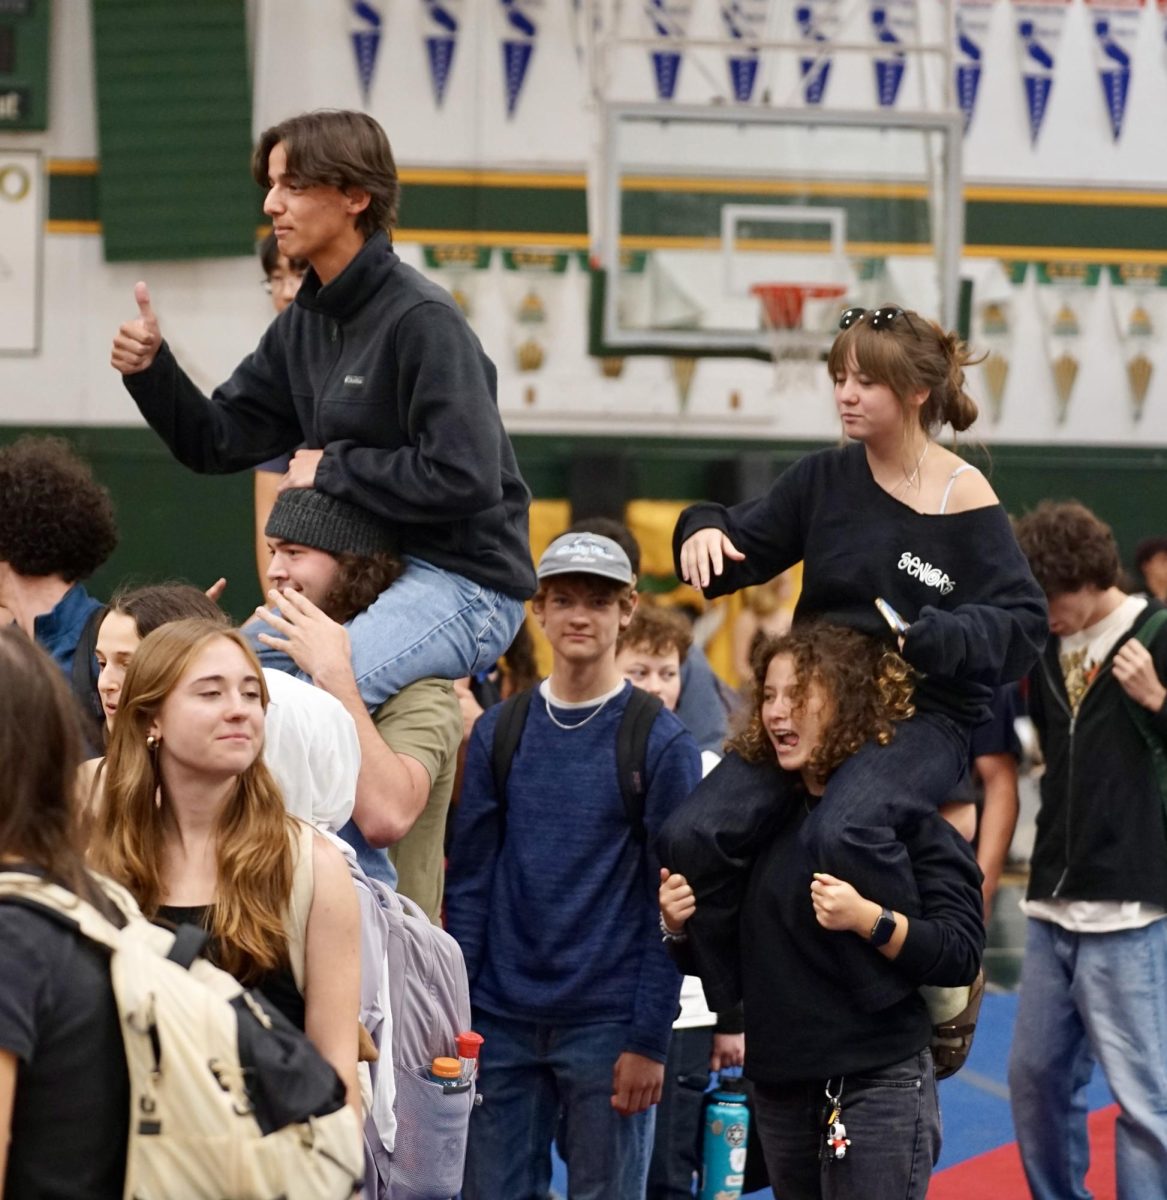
(310, 518)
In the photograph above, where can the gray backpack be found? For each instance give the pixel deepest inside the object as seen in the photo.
(430, 1005)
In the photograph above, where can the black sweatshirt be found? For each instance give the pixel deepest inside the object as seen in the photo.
(978, 618)
(1100, 828)
(380, 370)
(804, 1017)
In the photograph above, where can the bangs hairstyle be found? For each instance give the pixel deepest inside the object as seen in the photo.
(341, 149)
(596, 585)
(41, 749)
(657, 630)
(867, 690)
(253, 848)
(911, 355)
(1068, 547)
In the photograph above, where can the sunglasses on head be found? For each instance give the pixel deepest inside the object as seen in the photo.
(877, 318)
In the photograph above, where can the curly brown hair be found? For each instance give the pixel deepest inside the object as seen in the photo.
(657, 630)
(360, 579)
(1068, 547)
(55, 518)
(868, 690)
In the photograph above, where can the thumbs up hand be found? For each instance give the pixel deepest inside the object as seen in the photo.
(137, 341)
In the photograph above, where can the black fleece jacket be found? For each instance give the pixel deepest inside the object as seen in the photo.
(380, 370)
(1100, 828)
(804, 1016)
(978, 618)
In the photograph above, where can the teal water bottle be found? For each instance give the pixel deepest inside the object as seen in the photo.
(727, 1130)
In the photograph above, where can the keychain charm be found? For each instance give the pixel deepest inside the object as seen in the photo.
(837, 1140)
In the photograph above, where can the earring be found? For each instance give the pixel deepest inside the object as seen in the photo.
(152, 743)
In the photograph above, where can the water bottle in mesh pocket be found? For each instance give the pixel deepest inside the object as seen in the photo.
(432, 1125)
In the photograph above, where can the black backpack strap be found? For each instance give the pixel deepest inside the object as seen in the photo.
(508, 732)
(632, 754)
(189, 941)
(1145, 635)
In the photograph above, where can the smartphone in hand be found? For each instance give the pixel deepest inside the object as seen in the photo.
(898, 624)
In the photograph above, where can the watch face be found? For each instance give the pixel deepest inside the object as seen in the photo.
(883, 928)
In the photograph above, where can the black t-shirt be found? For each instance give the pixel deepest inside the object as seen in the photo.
(70, 1118)
(278, 986)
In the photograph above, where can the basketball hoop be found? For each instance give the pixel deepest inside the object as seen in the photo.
(783, 307)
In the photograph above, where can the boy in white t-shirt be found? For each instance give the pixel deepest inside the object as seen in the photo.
(649, 654)
(1096, 944)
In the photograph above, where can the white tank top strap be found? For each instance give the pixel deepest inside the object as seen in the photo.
(951, 480)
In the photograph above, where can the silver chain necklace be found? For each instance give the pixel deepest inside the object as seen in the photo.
(579, 724)
(910, 479)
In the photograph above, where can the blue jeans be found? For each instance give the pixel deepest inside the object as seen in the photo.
(892, 1118)
(531, 1073)
(1087, 997)
(430, 624)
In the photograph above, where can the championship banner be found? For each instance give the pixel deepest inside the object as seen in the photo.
(892, 21)
(972, 32)
(1039, 26)
(534, 283)
(457, 269)
(745, 23)
(669, 21)
(992, 328)
(518, 44)
(441, 21)
(366, 39)
(1137, 295)
(818, 23)
(1115, 25)
(1064, 292)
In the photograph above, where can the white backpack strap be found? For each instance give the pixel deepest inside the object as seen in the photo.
(300, 902)
(32, 889)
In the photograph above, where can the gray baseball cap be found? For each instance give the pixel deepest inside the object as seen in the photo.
(585, 554)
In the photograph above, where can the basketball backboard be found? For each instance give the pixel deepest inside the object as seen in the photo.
(701, 207)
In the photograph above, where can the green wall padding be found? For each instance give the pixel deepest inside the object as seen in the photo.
(174, 128)
(175, 524)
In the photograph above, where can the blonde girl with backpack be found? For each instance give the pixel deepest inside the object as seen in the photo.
(64, 1089)
(194, 826)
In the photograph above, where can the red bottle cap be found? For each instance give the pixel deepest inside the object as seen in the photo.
(468, 1044)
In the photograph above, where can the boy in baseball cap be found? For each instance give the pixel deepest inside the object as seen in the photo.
(550, 893)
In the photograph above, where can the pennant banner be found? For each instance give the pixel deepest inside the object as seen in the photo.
(366, 38)
(520, 30)
(892, 23)
(818, 23)
(535, 290)
(669, 21)
(745, 22)
(441, 21)
(1138, 303)
(972, 31)
(1064, 290)
(1039, 33)
(1115, 25)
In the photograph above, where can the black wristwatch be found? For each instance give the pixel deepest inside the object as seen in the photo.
(884, 927)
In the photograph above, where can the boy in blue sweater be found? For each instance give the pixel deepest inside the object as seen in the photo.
(555, 908)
